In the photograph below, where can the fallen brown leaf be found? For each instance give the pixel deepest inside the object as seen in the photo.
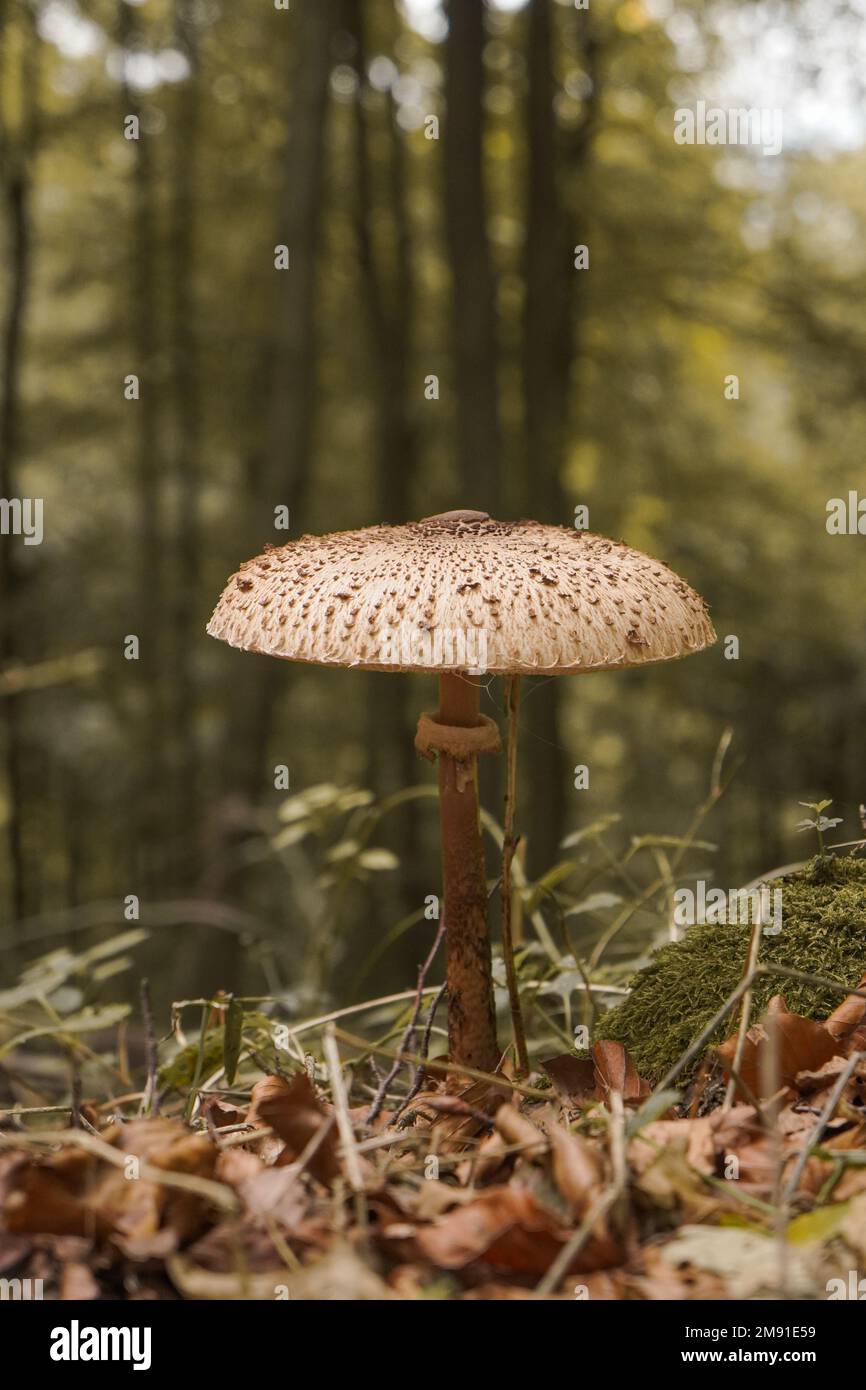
(235, 1166)
(670, 1183)
(579, 1080)
(410, 1280)
(693, 1138)
(433, 1198)
(660, 1280)
(848, 1015)
(42, 1203)
(77, 1284)
(615, 1071)
(294, 1112)
(219, 1113)
(485, 1163)
(822, 1078)
(275, 1193)
(573, 1078)
(508, 1229)
(578, 1168)
(799, 1045)
(516, 1128)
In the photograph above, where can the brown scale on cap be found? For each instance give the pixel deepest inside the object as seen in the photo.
(548, 600)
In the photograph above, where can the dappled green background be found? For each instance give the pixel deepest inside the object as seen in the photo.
(410, 256)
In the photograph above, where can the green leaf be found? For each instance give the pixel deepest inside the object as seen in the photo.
(38, 987)
(533, 894)
(292, 835)
(670, 842)
(110, 968)
(652, 1109)
(294, 809)
(113, 945)
(378, 859)
(594, 903)
(594, 828)
(181, 1069)
(88, 1021)
(846, 1158)
(344, 849)
(47, 973)
(351, 800)
(322, 794)
(822, 1224)
(233, 1035)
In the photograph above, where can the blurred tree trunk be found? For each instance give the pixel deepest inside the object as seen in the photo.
(475, 352)
(281, 475)
(188, 422)
(389, 300)
(546, 369)
(18, 78)
(474, 298)
(551, 329)
(150, 840)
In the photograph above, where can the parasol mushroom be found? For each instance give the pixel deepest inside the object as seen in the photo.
(459, 595)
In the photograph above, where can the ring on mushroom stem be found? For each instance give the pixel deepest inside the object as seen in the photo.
(458, 595)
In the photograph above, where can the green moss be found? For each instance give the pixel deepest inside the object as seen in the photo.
(674, 997)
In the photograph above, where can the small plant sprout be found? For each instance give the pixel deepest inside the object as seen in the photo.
(820, 823)
(461, 596)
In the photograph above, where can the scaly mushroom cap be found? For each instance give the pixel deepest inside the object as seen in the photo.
(461, 592)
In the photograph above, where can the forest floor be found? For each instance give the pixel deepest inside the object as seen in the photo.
(340, 1176)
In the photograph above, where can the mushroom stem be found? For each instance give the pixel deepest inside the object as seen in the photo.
(471, 1013)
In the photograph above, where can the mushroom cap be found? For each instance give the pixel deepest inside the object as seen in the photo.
(461, 592)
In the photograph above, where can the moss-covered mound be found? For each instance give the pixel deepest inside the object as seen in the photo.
(674, 997)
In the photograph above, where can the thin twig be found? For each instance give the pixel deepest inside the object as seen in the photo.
(453, 1105)
(506, 1083)
(408, 1035)
(824, 1119)
(421, 1068)
(746, 1011)
(341, 1106)
(308, 1024)
(706, 1033)
(75, 1116)
(790, 974)
(770, 1080)
(150, 1100)
(243, 1134)
(509, 844)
